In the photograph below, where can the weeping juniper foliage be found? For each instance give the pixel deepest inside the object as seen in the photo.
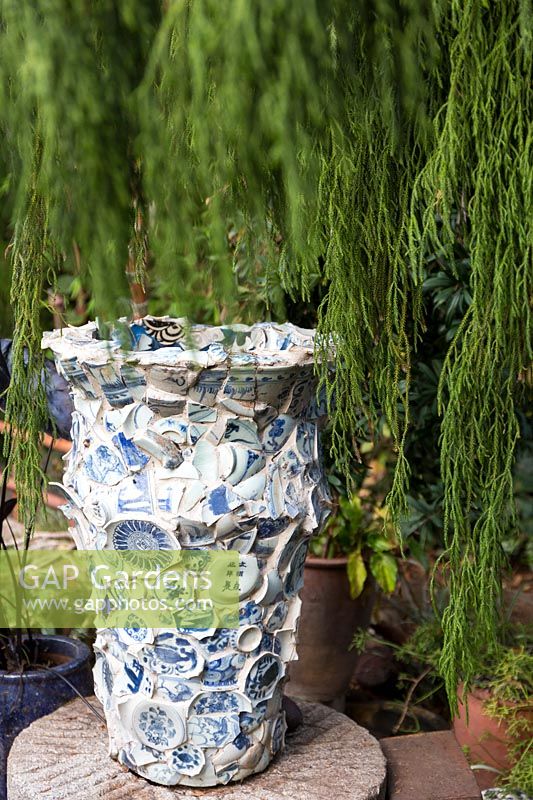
(26, 404)
(482, 165)
(348, 135)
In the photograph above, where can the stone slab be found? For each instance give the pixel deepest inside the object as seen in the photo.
(64, 757)
(428, 766)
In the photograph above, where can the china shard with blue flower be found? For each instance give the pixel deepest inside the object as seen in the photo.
(140, 535)
(202, 439)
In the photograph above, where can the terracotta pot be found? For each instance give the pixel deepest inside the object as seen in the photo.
(487, 739)
(329, 620)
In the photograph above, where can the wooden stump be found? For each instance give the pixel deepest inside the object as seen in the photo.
(64, 757)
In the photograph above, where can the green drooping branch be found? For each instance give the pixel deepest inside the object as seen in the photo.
(68, 75)
(482, 164)
(26, 402)
(238, 104)
(303, 125)
(372, 309)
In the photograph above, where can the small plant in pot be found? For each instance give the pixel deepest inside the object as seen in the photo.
(494, 724)
(38, 672)
(353, 558)
(495, 720)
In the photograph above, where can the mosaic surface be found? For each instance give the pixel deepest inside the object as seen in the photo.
(196, 437)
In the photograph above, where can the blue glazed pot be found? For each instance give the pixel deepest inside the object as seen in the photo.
(37, 692)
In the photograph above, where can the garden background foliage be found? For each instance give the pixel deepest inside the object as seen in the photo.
(348, 142)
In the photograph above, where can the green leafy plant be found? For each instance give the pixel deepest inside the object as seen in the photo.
(447, 296)
(359, 534)
(511, 693)
(505, 670)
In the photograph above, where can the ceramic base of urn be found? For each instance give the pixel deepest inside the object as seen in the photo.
(64, 757)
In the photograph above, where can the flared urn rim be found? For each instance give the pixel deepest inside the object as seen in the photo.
(173, 341)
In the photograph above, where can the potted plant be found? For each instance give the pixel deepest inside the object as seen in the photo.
(38, 673)
(349, 561)
(494, 723)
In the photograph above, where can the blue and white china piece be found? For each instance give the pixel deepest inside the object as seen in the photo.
(213, 730)
(138, 534)
(157, 726)
(251, 720)
(198, 439)
(188, 759)
(263, 677)
(224, 671)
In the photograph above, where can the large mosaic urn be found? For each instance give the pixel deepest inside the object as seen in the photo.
(190, 437)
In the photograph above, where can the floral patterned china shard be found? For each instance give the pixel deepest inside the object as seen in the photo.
(198, 439)
(138, 534)
(158, 727)
(188, 759)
